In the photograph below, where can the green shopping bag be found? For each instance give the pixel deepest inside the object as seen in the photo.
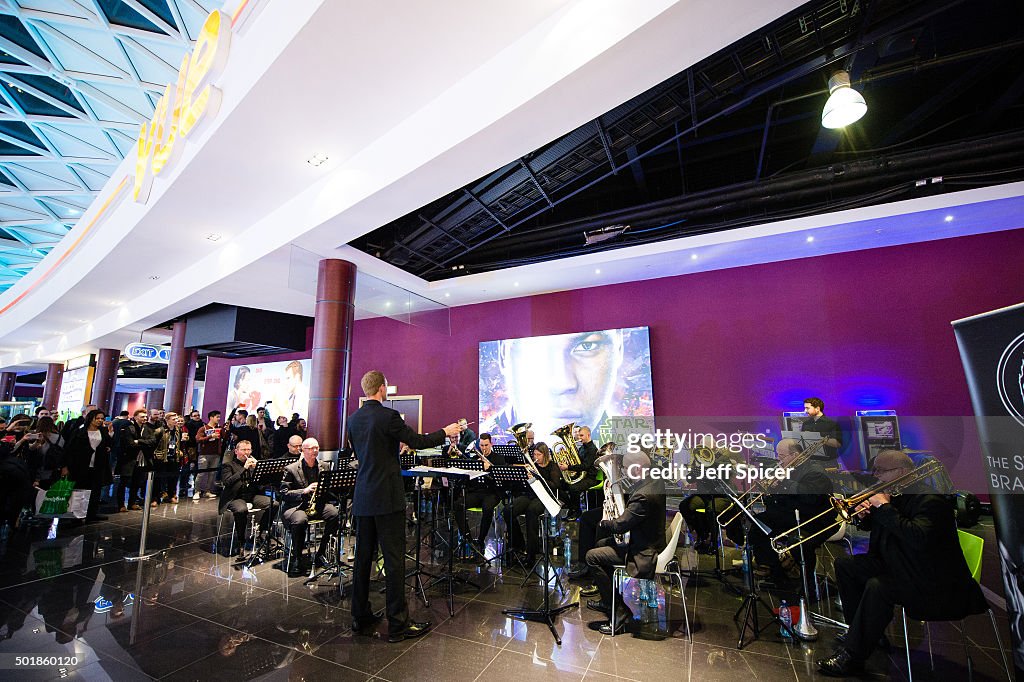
(57, 497)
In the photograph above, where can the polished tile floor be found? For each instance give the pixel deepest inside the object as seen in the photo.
(190, 614)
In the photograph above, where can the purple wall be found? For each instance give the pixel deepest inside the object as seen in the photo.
(861, 330)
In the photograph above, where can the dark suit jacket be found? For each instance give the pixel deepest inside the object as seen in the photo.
(644, 518)
(294, 482)
(78, 452)
(237, 482)
(915, 536)
(375, 432)
(808, 490)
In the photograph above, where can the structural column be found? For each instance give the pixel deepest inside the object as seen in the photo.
(7, 382)
(51, 392)
(190, 380)
(178, 370)
(332, 341)
(104, 380)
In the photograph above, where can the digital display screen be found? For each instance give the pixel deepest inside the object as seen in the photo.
(285, 384)
(881, 429)
(552, 381)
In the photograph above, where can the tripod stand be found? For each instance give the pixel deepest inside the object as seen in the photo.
(545, 614)
(417, 571)
(752, 599)
(449, 577)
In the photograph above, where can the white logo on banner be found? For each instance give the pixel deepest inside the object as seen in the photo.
(1010, 379)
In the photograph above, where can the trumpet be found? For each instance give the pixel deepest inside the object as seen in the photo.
(763, 487)
(845, 509)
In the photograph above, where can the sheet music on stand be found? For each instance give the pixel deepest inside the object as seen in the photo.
(509, 478)
(270, 472)
(511, 453)
(436, 472)
(337, 480)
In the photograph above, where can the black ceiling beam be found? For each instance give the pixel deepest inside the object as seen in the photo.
(442, 230)
(603, 136)
(486, 208)
(536, 182)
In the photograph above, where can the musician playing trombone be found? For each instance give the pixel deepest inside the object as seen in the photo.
(807, 490)
(482, 494)
(298, 489)
(914, 559)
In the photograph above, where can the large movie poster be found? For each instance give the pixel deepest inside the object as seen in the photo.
(282, 387)
(992, 350)
(551, 381)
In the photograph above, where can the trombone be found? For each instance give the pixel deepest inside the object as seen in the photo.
(845, 509)
(762, 487)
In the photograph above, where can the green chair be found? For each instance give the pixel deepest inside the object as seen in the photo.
(593, 489)
(971, 545)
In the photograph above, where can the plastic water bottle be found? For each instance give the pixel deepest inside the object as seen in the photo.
(787, 620)
(652, 595)
(567, 545)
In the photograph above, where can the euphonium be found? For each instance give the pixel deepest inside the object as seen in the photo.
(519, 431)
(566, 453)
(614, 504)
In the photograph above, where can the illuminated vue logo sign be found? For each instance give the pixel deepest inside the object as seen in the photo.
(186, 105)
(148, 353)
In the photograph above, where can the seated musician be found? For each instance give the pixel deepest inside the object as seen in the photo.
(701, 509)
(587, 450)
(299, 486)
(644, 519)
(467, 438)
(239, 491)
(807, 490)
(480, 493)
(529, 505)
(914, 559)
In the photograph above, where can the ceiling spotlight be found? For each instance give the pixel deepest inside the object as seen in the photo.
(949, 219)
(515, 284)
(318, 159)
(603, 234)
(597, 271)
(115, 303)
(212, 236)
(810, 239)
(844, 105)
(154, 277)
(693, 256)
(387, 304)
(447, 295)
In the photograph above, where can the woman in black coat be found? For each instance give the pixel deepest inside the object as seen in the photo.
(87, 459)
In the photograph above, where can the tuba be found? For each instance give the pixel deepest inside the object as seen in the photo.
(614, 501)
(566, 453)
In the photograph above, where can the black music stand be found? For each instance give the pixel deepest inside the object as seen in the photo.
(511, 480)
(511, 453)
(269, 473)
(417, 571)
(449, 577)
(751, 600)
(545, 614)
(336, 481)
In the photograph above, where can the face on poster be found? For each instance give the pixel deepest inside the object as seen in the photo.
(551, 381)
(284, 384)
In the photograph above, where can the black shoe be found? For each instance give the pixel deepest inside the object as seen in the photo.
(840, 664)
(573, 515)
(588, 590)
(579, 572)
(367, 628)
(411, 631)
(599, 606)
(322, 561)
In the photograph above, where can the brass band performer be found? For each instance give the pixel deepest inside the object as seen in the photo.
(299, 489)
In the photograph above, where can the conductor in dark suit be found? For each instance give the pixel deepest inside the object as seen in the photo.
(378, 505)
(644, 519)
(300, 482)
(914, 559)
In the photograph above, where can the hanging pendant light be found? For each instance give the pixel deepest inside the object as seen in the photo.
(845, 105)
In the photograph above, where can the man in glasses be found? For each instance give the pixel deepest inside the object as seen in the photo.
(914, 559)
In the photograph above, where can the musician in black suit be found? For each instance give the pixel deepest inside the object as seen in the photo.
(299, 486)
(914, 559)
(239, 491)
(480, 493)
(587, 451)
(807, 490)
(644, 519)
(378, 505)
